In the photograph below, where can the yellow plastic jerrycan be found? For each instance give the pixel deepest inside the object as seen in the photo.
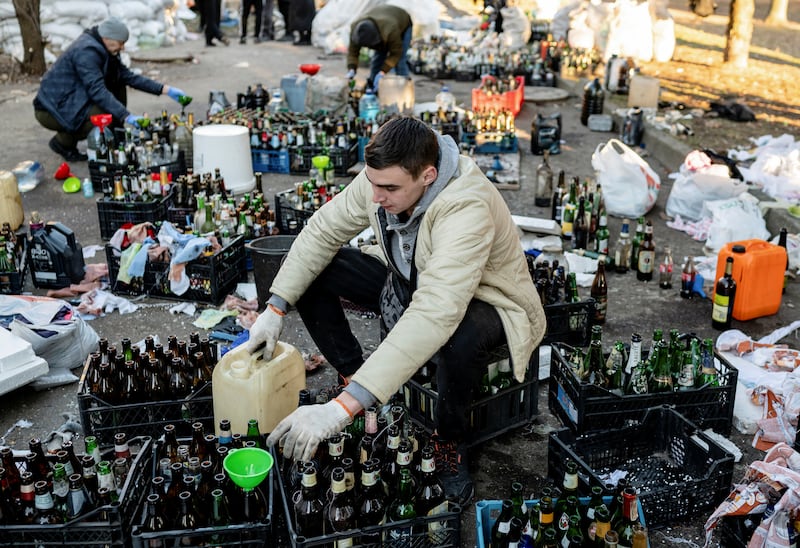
(248, 387)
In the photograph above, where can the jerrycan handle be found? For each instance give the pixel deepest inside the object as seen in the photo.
(67, 232)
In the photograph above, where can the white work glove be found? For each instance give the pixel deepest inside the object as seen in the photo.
(266, 329)
(301, 432)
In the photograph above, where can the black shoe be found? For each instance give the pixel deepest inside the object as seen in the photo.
(210, 45)
(243, 40)
(257, 39)
(452, 465)
(69, 154)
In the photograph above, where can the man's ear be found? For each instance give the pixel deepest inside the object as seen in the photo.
(429, 175)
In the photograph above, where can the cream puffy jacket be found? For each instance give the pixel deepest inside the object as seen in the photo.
(467, 246)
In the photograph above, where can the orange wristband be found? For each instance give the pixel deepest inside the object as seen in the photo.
(344, 407)
(276, 310)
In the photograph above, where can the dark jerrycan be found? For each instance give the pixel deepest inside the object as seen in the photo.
(55, 258)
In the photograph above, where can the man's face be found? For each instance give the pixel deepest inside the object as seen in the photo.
(113, 46)
(394, 189)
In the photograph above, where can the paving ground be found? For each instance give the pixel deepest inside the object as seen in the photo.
(520, 454)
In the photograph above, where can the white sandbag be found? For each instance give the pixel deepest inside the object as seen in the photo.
(630, 31)
(81, 8)
(733, 220)
(152, 28)
(7, 11)
(131, 10)
(516, 28)
(663, 39)
(66, 31)
(9, 29)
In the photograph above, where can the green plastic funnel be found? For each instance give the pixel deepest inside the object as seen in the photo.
(321, 162)
(248, 467)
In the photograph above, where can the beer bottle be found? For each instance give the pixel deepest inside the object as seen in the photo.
(599, 293)
(708, 373)
(89, 472)
(665, 270)
(687, 277)
(78, 501)
(647, 255)
(622, 251)
(572, 295)
(93, 373)
(501, 527)
(132, 390)
(187, 516)
(105, 389)
(253, 433)
(430, 493)
(602, 234)
(688, 370)
(390, 473)
(783, 242)
(220, 515)
(594, 370)
(611, 540)
(564, 518)
(60, 488)
(601, 525)
(105, 478)
(638, 238)
(640, 539)
(549, 539)
(8, 504)
(574, 537)
(402, 508)
(661, 380)
(580, 228)
(334, 460)
(615, 368)
(557, 205)
(40, 461)
(225, 432)
(121, 448)
(630, 518)
(309, 508)
(46, 513)
(372, 509)
(12, 477)
(518, 499)
(154, 521)
(544, 182)
(340, 513)
(197, 447)
(569, 203)
(27, 498)
(724, 296)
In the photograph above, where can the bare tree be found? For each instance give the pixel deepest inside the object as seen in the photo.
(777, 12)
(33, 62)
(740, 33)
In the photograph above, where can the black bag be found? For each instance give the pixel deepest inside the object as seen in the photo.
(703, 8)
(546, 134)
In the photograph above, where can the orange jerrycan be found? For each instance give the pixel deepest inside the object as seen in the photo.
(758, 268)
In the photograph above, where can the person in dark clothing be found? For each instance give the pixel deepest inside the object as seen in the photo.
(210, 20)
(267, 29)
(283, 7)
(258, 7)
(386, 30)
(89, 78)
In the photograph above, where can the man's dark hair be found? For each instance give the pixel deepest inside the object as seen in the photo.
(405, 142)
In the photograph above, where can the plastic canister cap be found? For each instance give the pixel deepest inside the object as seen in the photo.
(738, 248)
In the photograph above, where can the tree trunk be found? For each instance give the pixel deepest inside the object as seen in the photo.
(33, 62)
(777, 12)
(740, 32)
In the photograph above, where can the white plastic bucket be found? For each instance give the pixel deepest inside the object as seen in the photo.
(226, 147)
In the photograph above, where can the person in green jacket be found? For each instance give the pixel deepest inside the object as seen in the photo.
(386, 30)
(448, 277)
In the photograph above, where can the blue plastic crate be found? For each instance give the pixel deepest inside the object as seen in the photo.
(270, 161)
(491, 143)
(486, 512)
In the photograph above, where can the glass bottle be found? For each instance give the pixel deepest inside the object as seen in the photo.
(636, 243)
(40, 461)
(708, 372)
(572, 289)
(121, 448)
(309, 508)
(340, 513)
(592, 103)
(630, 518)
(687, 277)
(27, 498)
(78, 501)
(615, 368)
(724, 297)
(105, 478)
(611, 540)
(197, 447)
(622, 252)
(187, 515)
(219, 515)
(402, 508)
(665, 269)
(544, 182)
(154, 520)
(89, 472)
(568, 212)
(782, 242)
(647, 255)
(253, 433)
(580, 228)
(602, 234)
(60, 488)
(44, 504)
(661, 380)
(594, 370)
(557, 205)
(599, 293)
(389, 472)
(372, 508)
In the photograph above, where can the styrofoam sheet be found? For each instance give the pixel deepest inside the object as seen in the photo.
(14, 351)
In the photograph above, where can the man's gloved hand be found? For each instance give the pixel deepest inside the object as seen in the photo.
(133, 120)
(266, 329)
(351, 74)
(377, 81)
(175, 94)
(301, 432)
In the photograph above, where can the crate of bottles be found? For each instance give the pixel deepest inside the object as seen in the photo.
(342, 159)
(158, 522)
(442, 530)
(211, 278)
(105, 170)
(270, 161)
(493, 142)
(103, 419)
(288, 218)
(508, 100)
(12, 282)
(489, 416)
(114, 214)
(585, 407)
(677, 469)
(103, 525)
(569, 323)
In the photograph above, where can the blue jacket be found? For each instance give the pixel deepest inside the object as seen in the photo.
(84, 75)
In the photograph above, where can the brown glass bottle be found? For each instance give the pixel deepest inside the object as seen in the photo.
(154, 520)
(340, 513)
(724, 296)
(430, 492)
(599, 293)
(309, 508)
(46, 513)
(12, 477)
(647, 255)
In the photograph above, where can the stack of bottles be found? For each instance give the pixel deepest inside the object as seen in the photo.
(132, 185)
(376, 472)
(559, 519)
(191, 489)
(54, 491)
(312, 193)
(128, 374)
(685, 362)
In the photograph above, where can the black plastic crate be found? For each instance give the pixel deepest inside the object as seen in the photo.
(489, 417)
(343, 159)
(270, 161)
(584, 407)
(112, 214)
(100, 170)
(234, 534)
(108, 525)
(569, 323)
(181, 216)
(677, 470)
(103, 420)
(447, 534)
(285, 213)
(300, 159)
(211, 279)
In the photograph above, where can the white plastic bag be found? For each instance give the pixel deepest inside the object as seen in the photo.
(732, 220)
(693, 187)
(630, 186)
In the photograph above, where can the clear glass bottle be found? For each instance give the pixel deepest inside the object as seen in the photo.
(544, 182)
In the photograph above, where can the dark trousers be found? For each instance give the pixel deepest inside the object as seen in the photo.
(460, 363)
(259, 8)
(267, 32)
(67, 139)
(211, 14)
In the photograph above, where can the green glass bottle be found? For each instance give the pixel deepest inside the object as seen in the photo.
(661, 381)
(687, 371)
(253, 433)
(615, 368)
(400, 510)
(708, 373)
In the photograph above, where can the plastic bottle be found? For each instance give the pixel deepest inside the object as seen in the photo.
(368, 106)
(445, 99)
(592, 100)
